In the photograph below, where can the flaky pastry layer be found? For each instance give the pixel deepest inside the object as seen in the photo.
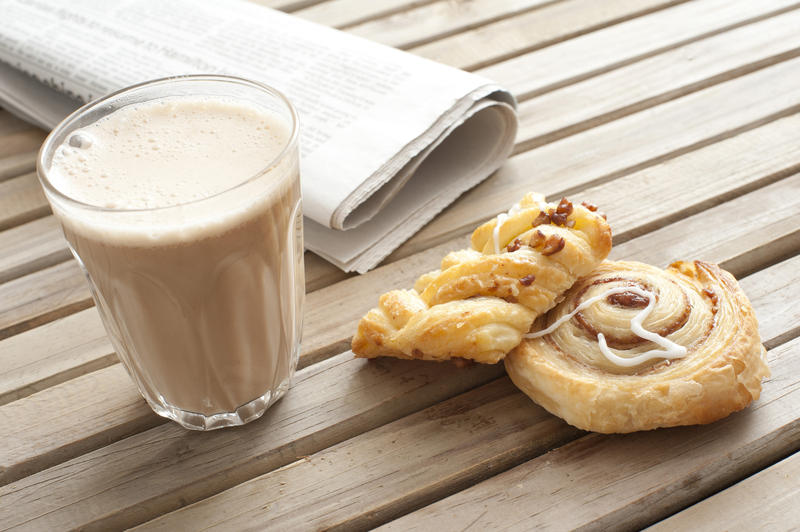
(483, 299)
(698, 305)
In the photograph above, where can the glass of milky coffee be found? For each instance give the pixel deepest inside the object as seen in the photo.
(180, 198)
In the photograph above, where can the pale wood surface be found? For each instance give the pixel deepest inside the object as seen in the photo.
(679, 118)
(481, 432)
(773, 503)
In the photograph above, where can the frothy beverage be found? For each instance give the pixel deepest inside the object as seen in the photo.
(189, 228)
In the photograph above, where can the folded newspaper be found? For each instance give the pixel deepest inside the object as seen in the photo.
(388, 139)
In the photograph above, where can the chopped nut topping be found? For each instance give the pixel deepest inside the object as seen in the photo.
(527, 280)
(515, 245)
(554, 244)
(542, 218)
(546, 245)
(564, 207)
(537, 240)
(591, 206)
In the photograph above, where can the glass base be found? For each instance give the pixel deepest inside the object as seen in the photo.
(244, 414)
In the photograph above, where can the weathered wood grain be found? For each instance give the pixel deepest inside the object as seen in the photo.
(467, 439)
(53, 353)
(777, 322)
(625, 43)
(375, 476)
(11, 124)
(550, 24)
(22, 141)
(769, 500)
(164, 468)
(344, 13)
(42, 297)
(423, 24)
(692, 238)
(30, 247)
(661, 78)
(648, 137)
(626, 481)
(21, 200)
(17, 164)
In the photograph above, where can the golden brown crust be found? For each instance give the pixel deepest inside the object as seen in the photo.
(480, 303)
(566, 373)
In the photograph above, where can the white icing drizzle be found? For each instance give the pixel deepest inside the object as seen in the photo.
(671, 349)
(501, 218)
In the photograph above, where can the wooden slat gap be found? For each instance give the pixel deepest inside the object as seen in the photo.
(565, 37)
(607, 178)
(592, 73)
(17, 164)
(449, 33)
(710, 475)
(691, 210)
(483, 467)
(383, 14)
(41, 319)
(57, 378)
(558, 134)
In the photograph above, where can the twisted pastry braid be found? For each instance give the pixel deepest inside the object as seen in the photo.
(593, 371)
(482, 300)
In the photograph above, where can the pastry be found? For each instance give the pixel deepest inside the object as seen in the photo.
(483, 299)
(634, 347)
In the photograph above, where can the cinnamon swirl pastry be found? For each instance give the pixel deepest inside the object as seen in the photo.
(483, 299)
(634, 347)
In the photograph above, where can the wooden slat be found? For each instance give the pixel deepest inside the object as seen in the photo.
(760, 232)
(378, 475)
(439, 19)
(769, 500)
(41, 297)
(328, 403)
(21, 200)
(775, 325)
(662, 78)
(526, 32)
(30, 247)
(17, 164)
(606, 49)
(321, 273)
(21, 141)
(11, 124)
(53, 353)
(344, 13)
(624, 482)
(480, 433)
(648, 137)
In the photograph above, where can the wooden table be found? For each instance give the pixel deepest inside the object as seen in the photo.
(679, 118)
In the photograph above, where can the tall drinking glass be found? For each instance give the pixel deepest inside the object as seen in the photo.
(190, 238)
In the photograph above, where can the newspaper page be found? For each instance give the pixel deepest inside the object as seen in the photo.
(387, 140)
